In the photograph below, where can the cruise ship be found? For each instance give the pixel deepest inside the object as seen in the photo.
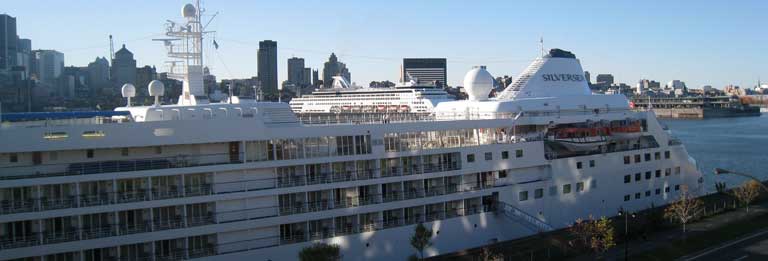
(254, 180)
(410, 97)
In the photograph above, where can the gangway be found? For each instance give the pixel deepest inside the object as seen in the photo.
(519, 216)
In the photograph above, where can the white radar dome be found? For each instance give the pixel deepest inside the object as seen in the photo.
(128, 90)
(189, 11)
(478, 83)
(156, 88)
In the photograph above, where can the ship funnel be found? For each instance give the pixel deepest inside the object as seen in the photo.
(556, 74)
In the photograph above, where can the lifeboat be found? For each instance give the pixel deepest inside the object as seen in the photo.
(580, 139)
(346, 108)
(405, 108)
(626, 132)
(381, 107)
(392, 108)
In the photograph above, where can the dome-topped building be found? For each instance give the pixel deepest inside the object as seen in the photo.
(123, 67)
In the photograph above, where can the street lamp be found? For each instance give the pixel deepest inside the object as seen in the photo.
(626, 231)
(719, 171)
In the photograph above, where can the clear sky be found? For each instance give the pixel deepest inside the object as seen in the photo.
(699, 42)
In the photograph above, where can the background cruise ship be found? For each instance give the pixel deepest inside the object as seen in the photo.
(410, 97)
(251, 180)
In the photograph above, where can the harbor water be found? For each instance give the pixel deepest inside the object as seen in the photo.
(737, 144)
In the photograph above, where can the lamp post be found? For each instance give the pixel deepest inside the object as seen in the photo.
(626, 231)
(719, 171)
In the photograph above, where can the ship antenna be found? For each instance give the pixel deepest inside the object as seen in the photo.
(541, 45)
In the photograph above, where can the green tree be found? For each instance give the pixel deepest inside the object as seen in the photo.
(421, 239)
(602, 235)
(320, 252)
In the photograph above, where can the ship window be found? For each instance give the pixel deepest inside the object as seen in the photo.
(627, 178)
(489, 156)
(89, 153)
(124, 152)
(578, 165)
(505, 154)
(658, 173)
(580, 187)
(53, 155)
(592, 163)
(647, 193)
(553, 190)
(666, 155)
(627, 160)
(647, 175)
(626, 197)
(637, 158)
(638, 177)
(538, 193)
(677, 170)
(163, 132)
(523, 195)
(637, 195)
(657, 155)
(658, 191)
(158, 149)
(593, 184)
(647, 157)
(470, 157)
(666, 189)
(677, 187)
(502, 174)
(566, 188)
(93, 134)
(667, 171)
(519, 153)
(60, 135)
(14, 157)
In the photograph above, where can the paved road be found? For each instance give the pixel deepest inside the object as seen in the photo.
(751, 247)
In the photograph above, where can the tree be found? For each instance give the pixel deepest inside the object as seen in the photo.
(421, 239)
(320, 252)
(597, 235)
(602, 235)
(684, 209)
(747, 192)
(490, 254)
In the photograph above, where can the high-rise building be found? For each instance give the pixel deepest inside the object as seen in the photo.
(98, 73)
(267, 71)
(306, 77)
(72, 83)
(24, 55)
(296, 71)
(123, 68)
(315, 78)
(9, 41)
(334, 68)
(48, 66)
(429, 70)
(605, 79)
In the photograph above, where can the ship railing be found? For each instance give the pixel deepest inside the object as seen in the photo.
(166, 193)
(70, 234)
(57, 203)
(165, 224)
(392, 196)
(524, 218)
(19, 241)
(111, 166)
(18, 206)
(99, 232)
(209, 250)
(132, 196)
(87, 200)
(247, 245)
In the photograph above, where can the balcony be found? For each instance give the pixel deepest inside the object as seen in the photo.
(97, 167)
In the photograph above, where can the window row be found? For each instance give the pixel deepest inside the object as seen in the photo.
(650, 174)
(554, 190)
(648, 193)
(628, 159)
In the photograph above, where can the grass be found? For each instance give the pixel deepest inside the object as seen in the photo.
(702, 240)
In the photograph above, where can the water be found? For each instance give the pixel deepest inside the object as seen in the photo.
(738, 144)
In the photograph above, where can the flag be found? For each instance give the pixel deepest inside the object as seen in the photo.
(215, 44)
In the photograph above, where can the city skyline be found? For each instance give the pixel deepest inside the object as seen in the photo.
(659, 41)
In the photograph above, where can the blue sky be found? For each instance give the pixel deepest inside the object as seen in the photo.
(699, 42)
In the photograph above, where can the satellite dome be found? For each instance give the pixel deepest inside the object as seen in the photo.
(478, 83)
(189, 11)
(156, 88)
(128, 90)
